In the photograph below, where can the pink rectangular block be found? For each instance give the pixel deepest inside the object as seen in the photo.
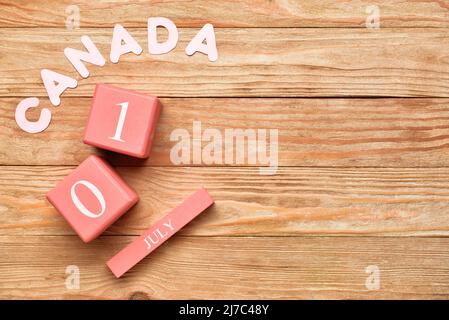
(160, 232)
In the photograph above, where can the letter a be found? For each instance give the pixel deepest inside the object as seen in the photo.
(55, 84)
(197, 44)
(117, 48)
(92, 56)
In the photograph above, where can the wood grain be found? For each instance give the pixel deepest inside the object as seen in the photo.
(285, 62)
(226, 13)
(363, 147)
(294, 202)
(223, 268)
(311, 132)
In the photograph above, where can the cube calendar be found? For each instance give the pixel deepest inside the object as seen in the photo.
(122, 121)
(92, 197)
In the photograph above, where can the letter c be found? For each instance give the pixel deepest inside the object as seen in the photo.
(32, 126)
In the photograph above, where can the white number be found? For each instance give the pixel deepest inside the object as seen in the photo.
(97, 193)
(121, 122)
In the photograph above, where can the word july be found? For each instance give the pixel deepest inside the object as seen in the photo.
(122, 43)
(158, 235)
(160, 232)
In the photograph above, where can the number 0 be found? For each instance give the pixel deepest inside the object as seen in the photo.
(81, 207)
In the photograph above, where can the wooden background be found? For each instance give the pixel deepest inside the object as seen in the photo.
(363, 120)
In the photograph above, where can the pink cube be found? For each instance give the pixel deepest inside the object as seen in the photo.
(92, 197)
(121, 120)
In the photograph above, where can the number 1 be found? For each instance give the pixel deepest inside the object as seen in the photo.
(121, 121)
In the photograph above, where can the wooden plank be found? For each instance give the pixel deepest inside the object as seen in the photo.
(295, 201)
(311, 132)
(229, 268)
(222, 13)
(271, 62)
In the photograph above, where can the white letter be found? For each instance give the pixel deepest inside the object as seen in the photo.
(373, 280)
(55, 84)
(97, 193)
(373, 20)
(210, 48)
(240, 135)
(117, 49)
(73, 20)
(32, 126)
(148, 244)
(92, 56)
(182, 147)
(155, 47)
(272, 159)
(169, 225)
(196, 142)
(72, 282)
(213, 147)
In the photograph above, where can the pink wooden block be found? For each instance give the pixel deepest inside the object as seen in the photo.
(92, 197)
(121, 120)
(160, 232)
